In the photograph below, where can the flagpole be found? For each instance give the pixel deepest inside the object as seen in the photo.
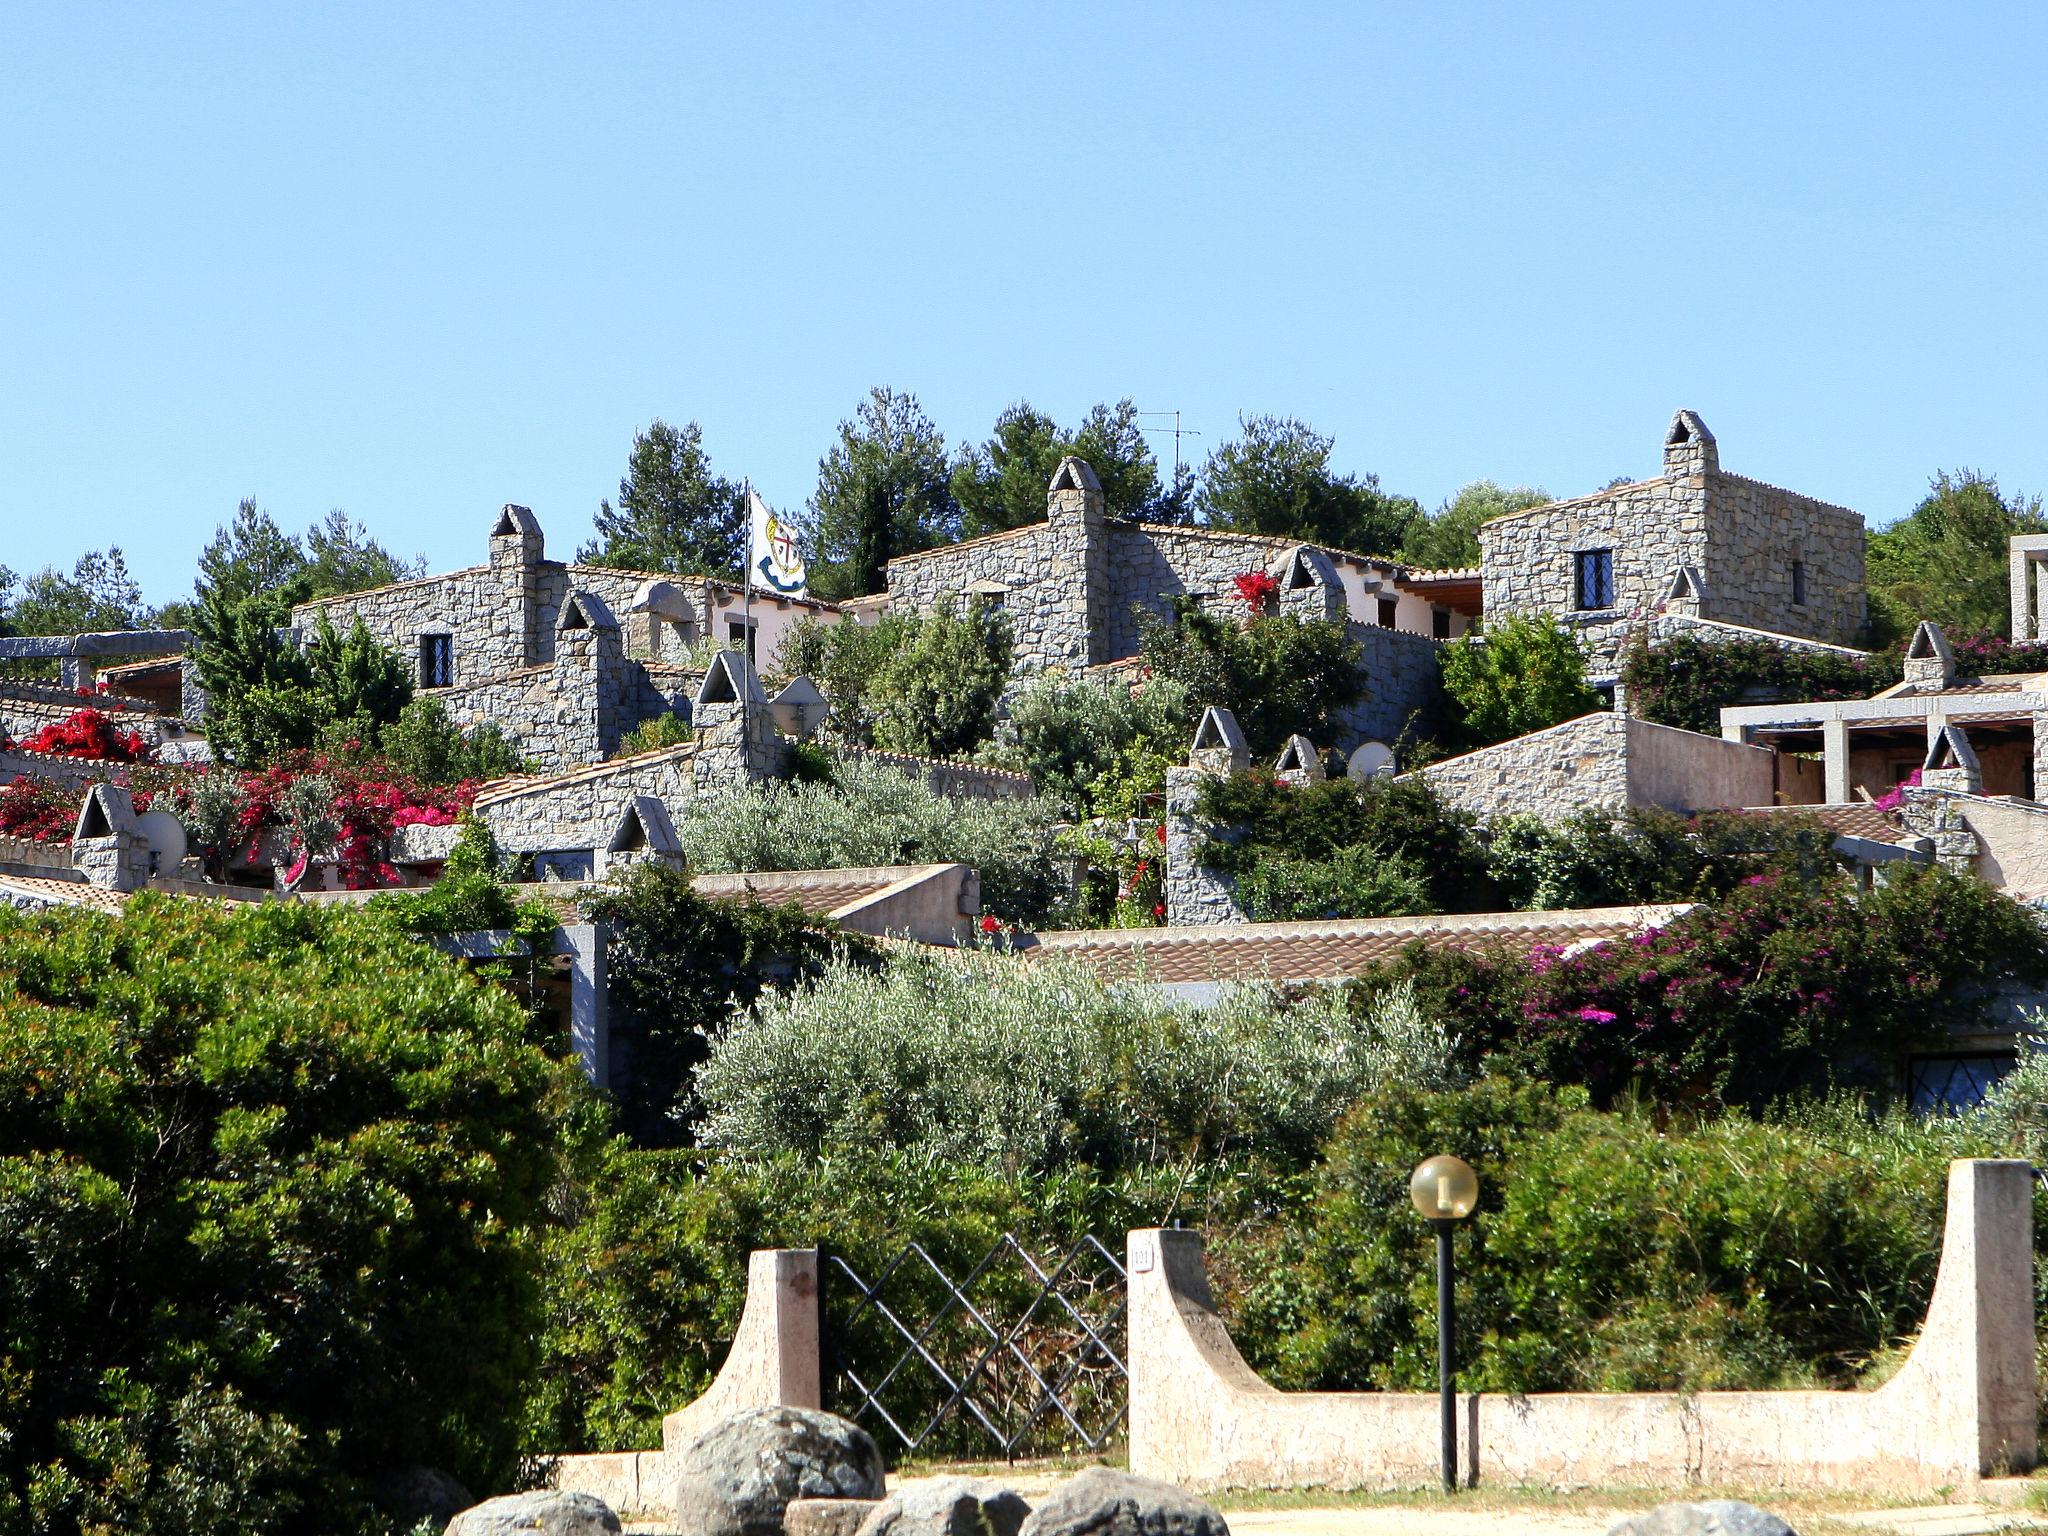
(747, 582)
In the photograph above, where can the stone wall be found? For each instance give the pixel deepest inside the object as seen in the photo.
(1729, 541)
(1580, 765)
(1047, 608)
(581, 809)
(1195, 894)
(1403, 680)
(26, 708)
(1605, 762)
(956, 781)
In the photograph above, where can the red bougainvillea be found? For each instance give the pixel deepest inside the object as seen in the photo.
(1256, 589)
(39, 810)
(88, 733)
(371, 802)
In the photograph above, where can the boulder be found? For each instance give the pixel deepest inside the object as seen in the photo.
(1713, 1517)
(545, 1512)
(422, 1493)
(948, 1506)
(739, 1476)
(826, 1517)
(1105, 1502)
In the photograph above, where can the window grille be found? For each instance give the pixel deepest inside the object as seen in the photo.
(437, 661)
(1595, 573)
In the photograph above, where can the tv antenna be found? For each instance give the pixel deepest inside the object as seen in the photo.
(1178, 432)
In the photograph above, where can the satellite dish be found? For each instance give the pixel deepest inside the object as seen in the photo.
(165, 835)
(1374, 760)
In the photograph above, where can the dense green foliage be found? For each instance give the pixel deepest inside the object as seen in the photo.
(867, 815)
(1781, 987)
(1688, 680)
(1523, 674)
(98, 594)
(973, 1060)
(674, 514)
(1262, 821)
(270, 1185)
(926, 683)
(1275, 478)
(267, 699)
(428, 746)
(1611, 1252)
(883, 490)
(677, 964)
(1280, 675)
(1002, 483)
(935, 693)
(1947, 559)
(1598, 859)
(1352, 882)
(1448, 539)
(1076, 737)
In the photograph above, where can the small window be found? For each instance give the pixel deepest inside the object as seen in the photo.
(1389, 607)
(437, 661)
(1595, 578)
(1941, 1084)
(1799, 583)
(1440, 623)
(739, 636)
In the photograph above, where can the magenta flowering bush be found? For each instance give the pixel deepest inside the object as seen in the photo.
(1781, 986)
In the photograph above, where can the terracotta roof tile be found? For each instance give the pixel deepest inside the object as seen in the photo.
(1322, 951)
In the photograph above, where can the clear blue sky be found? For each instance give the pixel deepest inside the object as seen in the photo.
(417, 261)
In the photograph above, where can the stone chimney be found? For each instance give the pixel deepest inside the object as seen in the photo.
(517, 550)
(589, 679)
(1077, 535)
(1929, 666)
(1310, 587)
(106, 846)
(644, 834)
(1298, 762)
(736, 740)
(1952, 763)
(1689, 448)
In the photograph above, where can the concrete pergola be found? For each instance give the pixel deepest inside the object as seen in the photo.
(2020, 706)
(77, 652)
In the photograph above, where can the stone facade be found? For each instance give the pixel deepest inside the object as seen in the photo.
(1605, 762)
(565, 658)
(1075, 586)
(1696, 541)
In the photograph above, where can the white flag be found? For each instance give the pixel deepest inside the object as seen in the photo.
(773, 559)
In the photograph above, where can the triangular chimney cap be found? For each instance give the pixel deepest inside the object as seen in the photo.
(730, 679)
(109, 810)
(1075, 475)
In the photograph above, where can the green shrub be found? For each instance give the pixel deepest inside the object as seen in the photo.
(1354, 882)
(871, 814)
(270, 1189)
(1688, 680)
(654, 734)
(1779, 988)
(676, 965)
(428, 746)
(842, 660)
(1256, 819)
(973, 1059)
(1523, 674)
(1280, 675)
(1600, 859)
(1609, 1253)
(935, 694)
(1073, 736)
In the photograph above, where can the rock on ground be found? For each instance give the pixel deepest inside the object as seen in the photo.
(1714, 1517)
(826, 1517)
(738, 1477)
(949, 1506)
(1105, 1502)
(547, 1512)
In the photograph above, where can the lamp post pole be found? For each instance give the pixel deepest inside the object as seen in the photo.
(1445, 1191)
(1446, 1364)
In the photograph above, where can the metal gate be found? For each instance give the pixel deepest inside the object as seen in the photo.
(1015, 1357)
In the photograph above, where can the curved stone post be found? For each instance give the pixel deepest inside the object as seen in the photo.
(1960, 1408)
(773, 1362)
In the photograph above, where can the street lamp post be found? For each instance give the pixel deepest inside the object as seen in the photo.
(1445, 1189)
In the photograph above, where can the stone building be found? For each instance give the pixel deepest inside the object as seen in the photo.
(566, 658)
(1075, 586)
(1695, 542)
